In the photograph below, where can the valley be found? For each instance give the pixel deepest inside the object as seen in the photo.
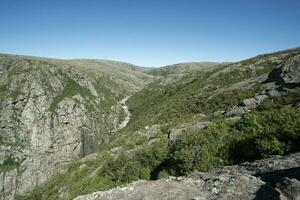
(85, 128)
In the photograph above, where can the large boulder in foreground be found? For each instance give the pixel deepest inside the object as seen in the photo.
(223, 185)
(273, 178)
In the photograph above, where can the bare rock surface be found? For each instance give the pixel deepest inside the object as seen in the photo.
(124, 105)
(289, 189)
(176, 132)
(276, 177)
(236, 111)
(185, 188)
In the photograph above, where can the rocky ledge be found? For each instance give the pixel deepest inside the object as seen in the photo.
(276, 177)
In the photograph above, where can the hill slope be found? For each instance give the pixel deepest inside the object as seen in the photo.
(53, 111)
(205, 92)
(184, 118)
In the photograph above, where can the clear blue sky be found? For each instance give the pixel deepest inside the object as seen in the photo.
(149, 32)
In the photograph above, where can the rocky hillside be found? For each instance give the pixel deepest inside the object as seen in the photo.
(54, 111)
(203, 93)
(273, 178)
(179, 120)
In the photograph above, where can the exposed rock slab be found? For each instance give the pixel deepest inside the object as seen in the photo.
(291, 71)
(273, 178)
(176, 132)
(210, 187)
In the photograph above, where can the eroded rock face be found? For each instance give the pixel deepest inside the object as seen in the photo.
(289, 188)
(8, 184)
(51, 144)
(50, 116)
(273, 178)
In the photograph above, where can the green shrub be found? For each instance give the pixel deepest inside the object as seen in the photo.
(153, 155)
(256, 135)
(145, 173)
(201, 151)
(143, 164)
(163, 174)
(123, 169)
(275, 131)
(269, 146)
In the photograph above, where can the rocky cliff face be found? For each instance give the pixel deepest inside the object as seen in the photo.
(273, 178)
(52, 112)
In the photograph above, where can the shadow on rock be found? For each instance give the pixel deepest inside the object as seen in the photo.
(280, 183)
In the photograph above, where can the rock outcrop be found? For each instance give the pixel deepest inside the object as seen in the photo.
(272, 178)
(291, 71)
(51, 113)
(281, 79)
(175, 133)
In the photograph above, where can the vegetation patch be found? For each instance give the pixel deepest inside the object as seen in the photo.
(2, 89)
(177, 103)
(70, 89)
(273, 130)
(8, 164)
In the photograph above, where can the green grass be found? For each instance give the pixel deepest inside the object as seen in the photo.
(179, 102)
(196, 93)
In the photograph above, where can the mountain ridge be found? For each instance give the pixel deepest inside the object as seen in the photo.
(185, 62)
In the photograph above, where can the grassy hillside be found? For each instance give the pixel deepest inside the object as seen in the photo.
(202, 92)
(144, 148)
